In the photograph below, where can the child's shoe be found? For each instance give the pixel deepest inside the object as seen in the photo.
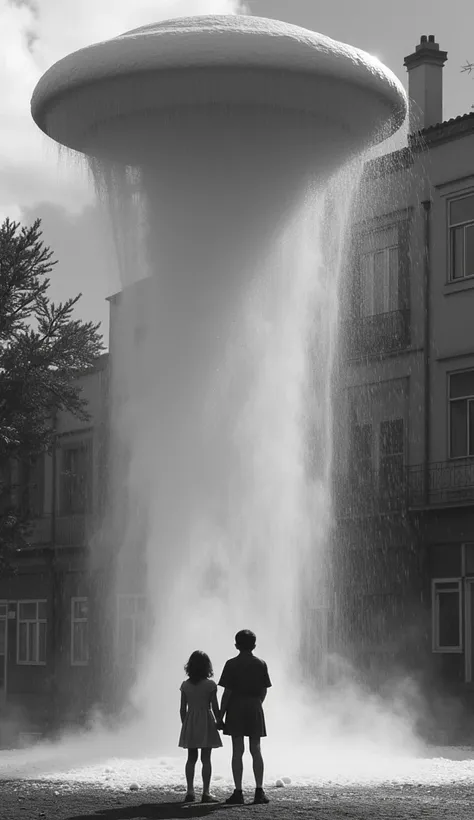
(209, 798)
(236, 798)
(190, 797)
(260, 797)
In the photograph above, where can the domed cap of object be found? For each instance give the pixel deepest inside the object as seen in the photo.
(231, 60)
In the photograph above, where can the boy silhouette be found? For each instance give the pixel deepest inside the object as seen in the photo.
(245, 680)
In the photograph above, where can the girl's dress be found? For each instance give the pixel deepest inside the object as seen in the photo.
(199, 729)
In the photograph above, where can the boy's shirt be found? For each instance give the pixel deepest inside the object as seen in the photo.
(246, 676)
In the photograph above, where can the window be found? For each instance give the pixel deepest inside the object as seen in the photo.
(5, 484)
(446, 606)
(461, 414)
(361, 454)
(31, 642)
(469, 558)
(3, 639)
(33, 486)
(79, 632)
(130, 627)
(461, 238)
(3, 647)
(76, 479)
(392, 449)
(379, 273)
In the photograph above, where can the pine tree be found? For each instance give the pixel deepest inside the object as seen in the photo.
(43, 349)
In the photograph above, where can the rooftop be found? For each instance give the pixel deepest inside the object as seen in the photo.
(447, 130)
(452, 129)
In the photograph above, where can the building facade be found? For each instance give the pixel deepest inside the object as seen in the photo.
(48, 671)
(405, 465)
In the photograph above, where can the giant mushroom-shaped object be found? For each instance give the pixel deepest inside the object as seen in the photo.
(225, 118)
(228, 60)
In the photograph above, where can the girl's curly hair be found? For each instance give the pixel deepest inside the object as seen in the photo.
(199, 667)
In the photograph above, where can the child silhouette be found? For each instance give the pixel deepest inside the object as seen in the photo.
(199, 729)
(245, 680)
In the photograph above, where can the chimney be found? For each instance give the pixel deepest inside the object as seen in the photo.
(425, 83)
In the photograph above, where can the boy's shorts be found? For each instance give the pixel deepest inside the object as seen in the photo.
(245, 717)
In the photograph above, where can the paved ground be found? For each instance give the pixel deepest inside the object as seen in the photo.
(29, 800)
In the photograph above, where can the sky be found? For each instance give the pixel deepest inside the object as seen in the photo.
(35, 182)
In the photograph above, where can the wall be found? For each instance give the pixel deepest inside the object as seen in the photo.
(437, 175)
(421, 185)
(71, 430)
(452, 303)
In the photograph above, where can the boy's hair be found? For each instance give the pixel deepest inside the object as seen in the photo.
(199, 667)
(246, 639)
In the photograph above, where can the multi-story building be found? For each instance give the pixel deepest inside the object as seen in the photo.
(405, 499)
(71, 624)
(46, 659)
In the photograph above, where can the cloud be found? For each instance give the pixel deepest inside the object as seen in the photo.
(33, 35)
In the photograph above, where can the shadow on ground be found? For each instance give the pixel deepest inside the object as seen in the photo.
(154, 811)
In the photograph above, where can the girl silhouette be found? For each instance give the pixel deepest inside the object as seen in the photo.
(199, 730)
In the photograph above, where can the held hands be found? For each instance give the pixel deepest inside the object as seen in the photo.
(220, 725)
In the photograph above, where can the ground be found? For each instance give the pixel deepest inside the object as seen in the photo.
(105, 777)
(30, 800)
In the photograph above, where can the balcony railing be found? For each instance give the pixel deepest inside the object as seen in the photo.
(443, 483)
(65, 531)
(378, 335)
(370, 495)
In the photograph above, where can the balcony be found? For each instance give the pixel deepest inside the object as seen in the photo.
(443, 484)
(68, 531)
(378, 335)
(370, 495)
